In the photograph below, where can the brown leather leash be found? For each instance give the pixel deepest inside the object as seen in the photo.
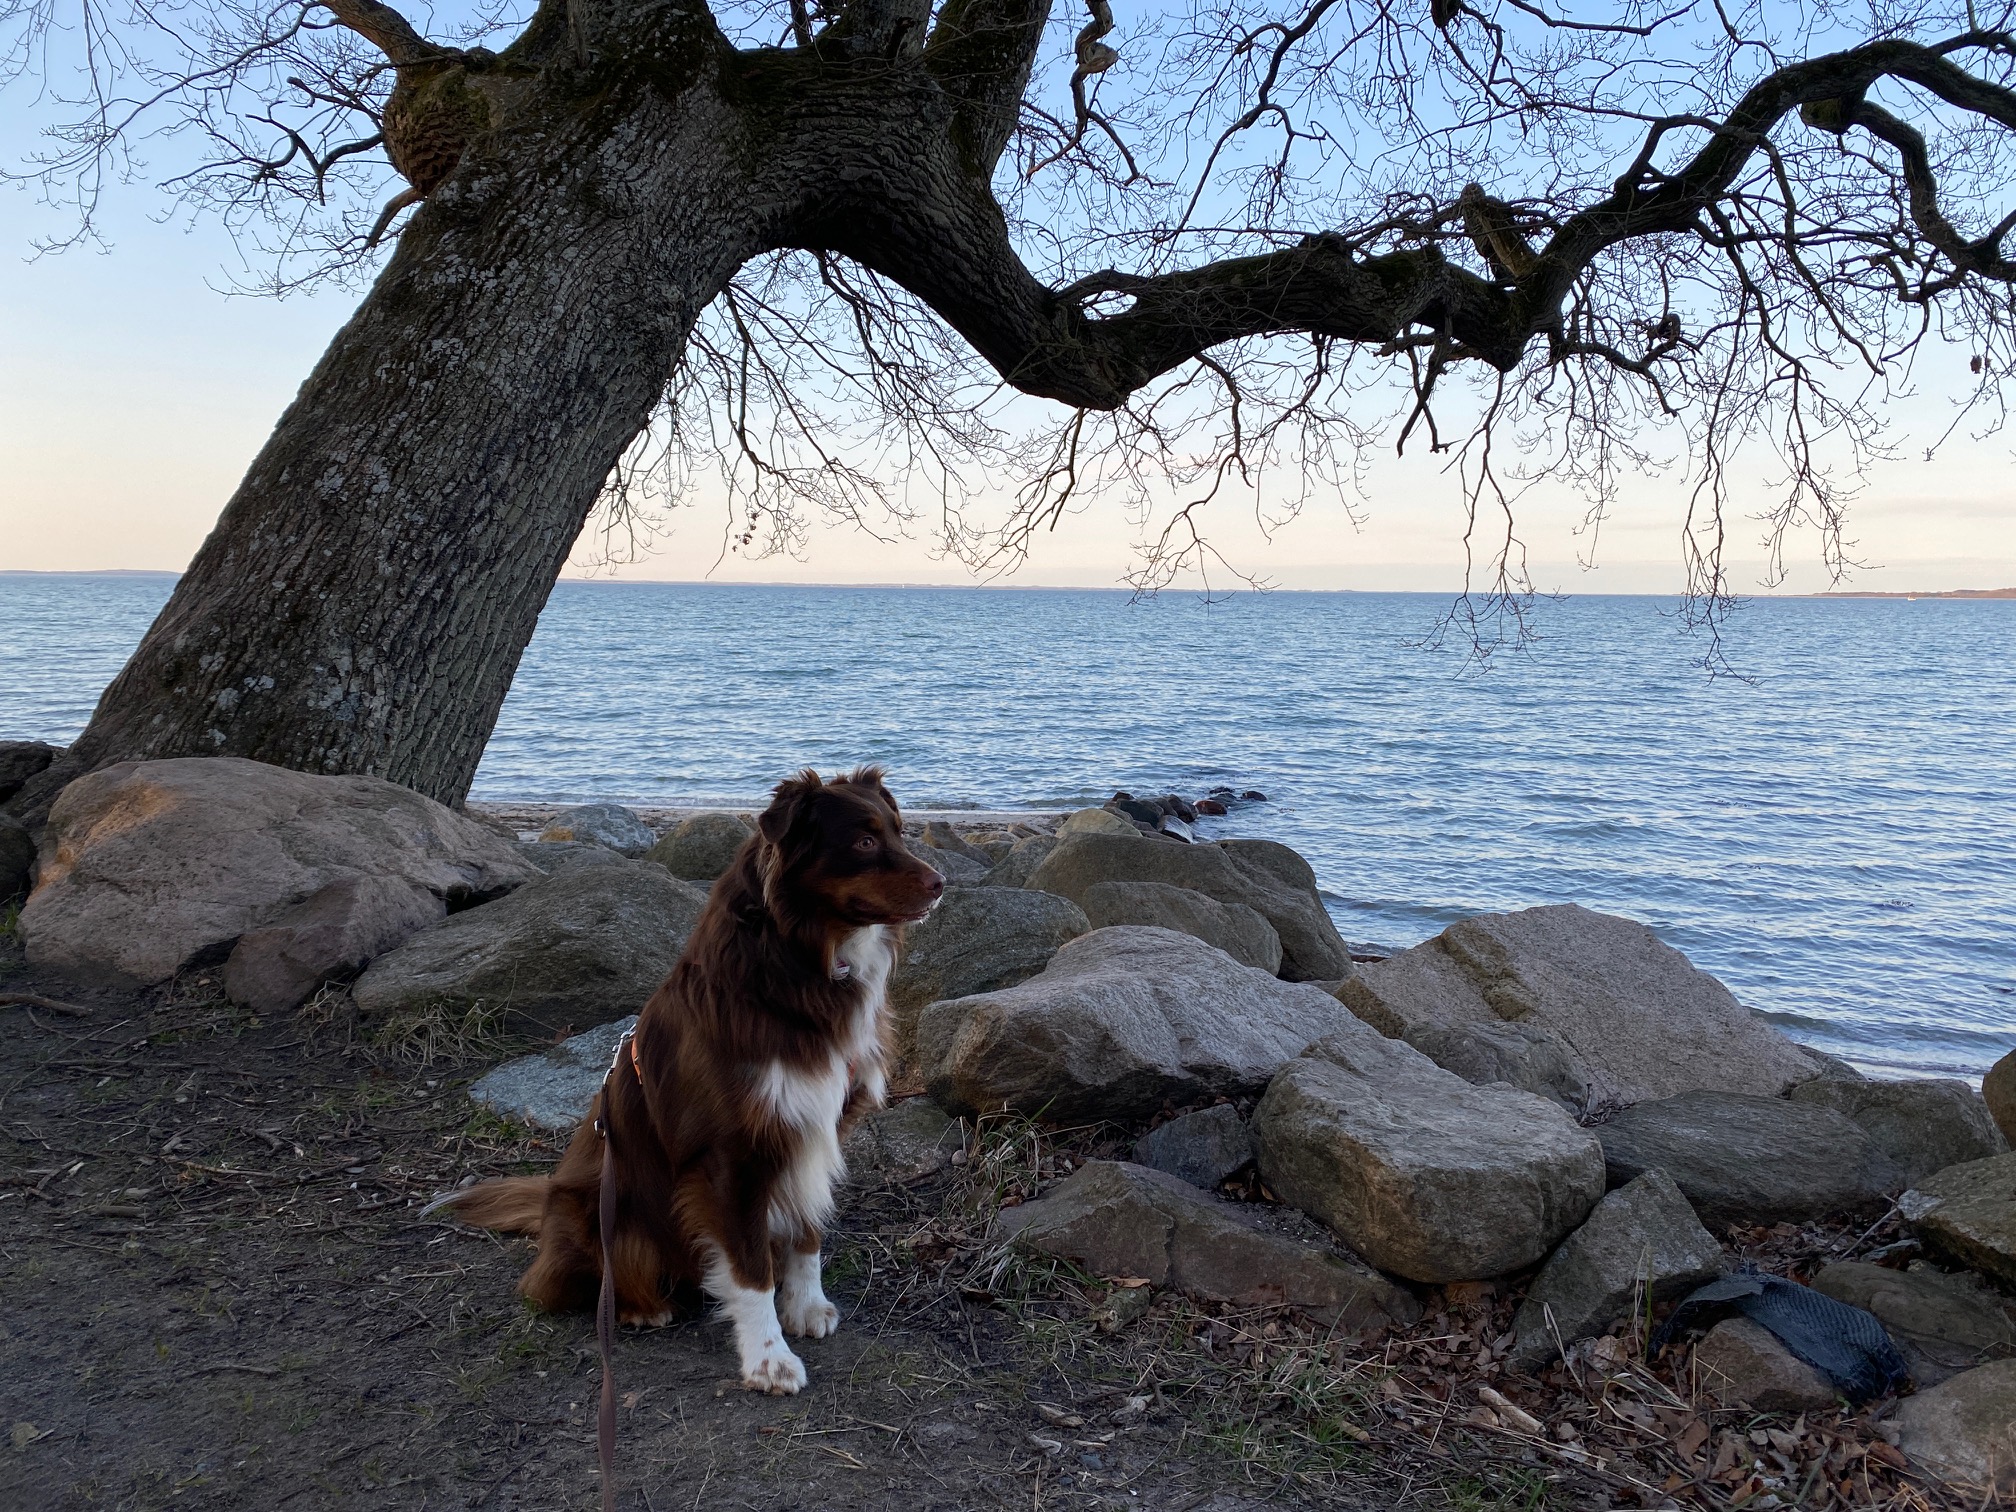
(605, 1303)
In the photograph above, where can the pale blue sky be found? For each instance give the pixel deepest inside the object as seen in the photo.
(135, 393)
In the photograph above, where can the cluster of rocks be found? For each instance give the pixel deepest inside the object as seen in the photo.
(1552, 1092)
(1172, 816)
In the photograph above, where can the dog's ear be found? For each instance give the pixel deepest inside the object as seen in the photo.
(782, 827)
(793, 801)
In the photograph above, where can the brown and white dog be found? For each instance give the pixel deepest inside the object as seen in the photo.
(749, 1065)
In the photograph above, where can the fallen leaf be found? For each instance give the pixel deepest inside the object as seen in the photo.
(1059, 1416)
(26, 1434)
(1130, 1282)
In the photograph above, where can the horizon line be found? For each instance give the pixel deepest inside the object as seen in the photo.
(607, 582)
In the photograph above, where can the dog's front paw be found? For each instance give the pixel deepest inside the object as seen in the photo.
(775, 1370)
(810, 1317)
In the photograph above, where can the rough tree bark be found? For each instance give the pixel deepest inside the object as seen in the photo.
(364, 600)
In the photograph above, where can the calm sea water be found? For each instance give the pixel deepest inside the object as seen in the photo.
(1835, 838)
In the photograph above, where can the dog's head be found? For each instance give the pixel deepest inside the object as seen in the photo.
(834, 851)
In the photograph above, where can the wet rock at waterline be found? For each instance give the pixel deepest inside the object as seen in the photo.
(1998, 1091)
(147, 867)
(1640, 1019)
(1258, 874)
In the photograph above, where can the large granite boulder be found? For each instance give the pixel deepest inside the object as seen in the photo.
(1023, 857)
(1743, 1159)
(699, 849)
(1233, 927)
(1943, 1322)
(1119, 1023)
(573, 949)
(1998, 1091)
(609, 825)
(20, 760)
(551, 1089)
(552, 856)
(330, 937)
(1641, 1245)
(1117, 1219)
(1268, 878)
(150, 866)
(1527, 1056)
(1964, 1431)
(1923, 1126)
(978, 939)
(1641, 1020)
(17, 858)
(1098, 821)
(1423, 1174)
(955, 868)
(1967, 1215)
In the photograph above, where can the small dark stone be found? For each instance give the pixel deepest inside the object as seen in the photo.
(1181, 807)
(1122, 797)
(1210, 806)
(1201, 1148)
(1253, 795)
(1139, 811)
(17, 858)
(1223, 792)
(20, 760)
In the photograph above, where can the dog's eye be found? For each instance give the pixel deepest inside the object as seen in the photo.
(867, 845)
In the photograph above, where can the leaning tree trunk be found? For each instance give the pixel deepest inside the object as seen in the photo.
(363, 602)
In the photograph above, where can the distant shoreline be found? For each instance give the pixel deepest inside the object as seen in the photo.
(1942, 593)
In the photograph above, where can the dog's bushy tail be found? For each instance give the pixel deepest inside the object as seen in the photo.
(510, 1204)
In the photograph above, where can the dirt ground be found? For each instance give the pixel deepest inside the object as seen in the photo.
(216, 1290)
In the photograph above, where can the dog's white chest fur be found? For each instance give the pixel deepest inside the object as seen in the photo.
(810, 1099)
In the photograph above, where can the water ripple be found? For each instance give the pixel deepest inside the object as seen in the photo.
(1836, 839)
